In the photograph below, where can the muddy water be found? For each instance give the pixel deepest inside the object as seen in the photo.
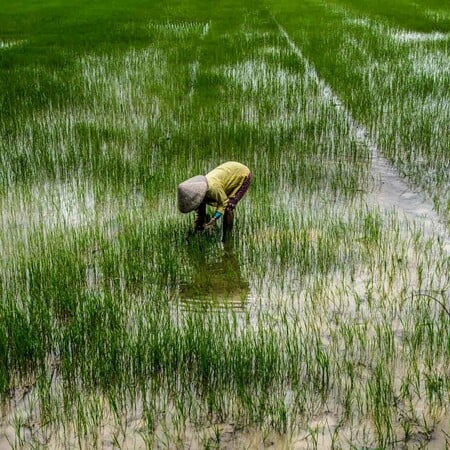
(393, 192)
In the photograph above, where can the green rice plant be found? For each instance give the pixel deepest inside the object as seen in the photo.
(409, 128)
(113, 313)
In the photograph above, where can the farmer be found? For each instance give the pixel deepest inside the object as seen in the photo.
(222, 188)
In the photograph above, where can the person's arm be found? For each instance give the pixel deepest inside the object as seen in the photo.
(200, 217)
(210, 225)
(221, 200)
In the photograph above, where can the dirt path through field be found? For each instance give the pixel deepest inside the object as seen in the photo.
(391, 191)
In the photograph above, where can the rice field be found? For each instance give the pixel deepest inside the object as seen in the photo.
(323, 323)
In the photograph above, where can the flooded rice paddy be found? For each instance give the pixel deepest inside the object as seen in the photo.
(322, 322)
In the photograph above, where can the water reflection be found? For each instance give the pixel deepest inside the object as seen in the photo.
(213, 277)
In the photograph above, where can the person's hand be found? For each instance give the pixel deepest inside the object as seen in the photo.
(210, 227)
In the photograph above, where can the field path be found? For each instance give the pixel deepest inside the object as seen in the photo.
(391, 190)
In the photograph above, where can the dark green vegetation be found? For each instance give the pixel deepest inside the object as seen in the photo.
(322, 308)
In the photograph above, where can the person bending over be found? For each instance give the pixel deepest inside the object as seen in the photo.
(221, 188)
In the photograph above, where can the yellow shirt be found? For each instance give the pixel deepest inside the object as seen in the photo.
(224, 182)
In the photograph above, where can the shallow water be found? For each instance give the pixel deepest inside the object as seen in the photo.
(393, 192)
(9, 44)
(214, 279)
(412, 36)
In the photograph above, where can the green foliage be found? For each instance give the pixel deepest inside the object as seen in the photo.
(108, 304)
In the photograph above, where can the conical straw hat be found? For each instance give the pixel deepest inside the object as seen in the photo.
(191, 193)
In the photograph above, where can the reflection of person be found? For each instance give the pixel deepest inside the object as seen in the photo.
(223, 188)
(213, 277)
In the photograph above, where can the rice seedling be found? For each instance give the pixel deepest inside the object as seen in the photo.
(323, 321)
(402, 100)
